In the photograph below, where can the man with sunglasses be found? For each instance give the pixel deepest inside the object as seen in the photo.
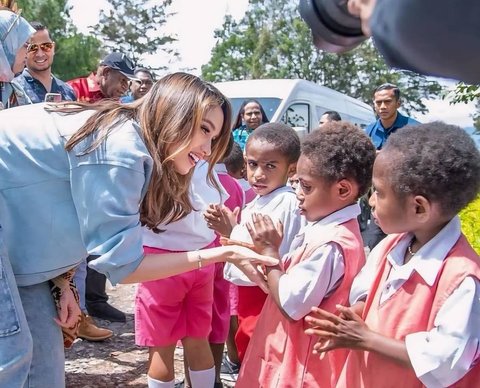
(111, 80)
(37, 79)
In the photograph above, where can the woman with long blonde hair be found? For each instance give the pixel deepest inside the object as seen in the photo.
(81, 179)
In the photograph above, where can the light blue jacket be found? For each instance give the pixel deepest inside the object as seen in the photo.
(57, 206)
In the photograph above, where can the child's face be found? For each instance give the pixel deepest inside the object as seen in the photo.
(201, 145)
(318, 198)
(388, 209)
(267, 169)
(293, 181)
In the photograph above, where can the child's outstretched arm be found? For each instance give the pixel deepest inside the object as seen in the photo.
(307, 282)
(267, 237)
(349, 331)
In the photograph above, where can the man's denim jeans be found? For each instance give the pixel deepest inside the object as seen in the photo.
(79, 279)
(15, 338)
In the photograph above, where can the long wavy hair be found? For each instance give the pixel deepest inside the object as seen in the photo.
(168, 115)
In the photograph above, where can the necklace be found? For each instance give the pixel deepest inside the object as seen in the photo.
(409, 248)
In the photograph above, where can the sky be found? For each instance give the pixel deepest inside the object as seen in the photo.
(194, 24)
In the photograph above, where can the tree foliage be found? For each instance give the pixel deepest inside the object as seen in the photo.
(272, 41)
(464, 93)
(132, 26)
(76, 54)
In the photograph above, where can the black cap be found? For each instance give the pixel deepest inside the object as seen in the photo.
(122, 63)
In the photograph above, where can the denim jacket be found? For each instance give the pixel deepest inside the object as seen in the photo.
(57, 207)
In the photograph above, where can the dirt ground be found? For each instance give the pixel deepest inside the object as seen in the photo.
(116, 362)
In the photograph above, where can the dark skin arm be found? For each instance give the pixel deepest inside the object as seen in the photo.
(267, 237)
(349, 331)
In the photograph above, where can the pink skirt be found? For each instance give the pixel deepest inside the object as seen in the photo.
(168, 310)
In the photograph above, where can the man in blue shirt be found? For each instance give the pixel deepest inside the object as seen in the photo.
(37, 79)
(386, 101)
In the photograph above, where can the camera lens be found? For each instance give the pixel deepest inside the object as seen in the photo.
(334, 29)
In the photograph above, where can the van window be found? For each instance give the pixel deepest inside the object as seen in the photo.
(297, 115)
(269, 105)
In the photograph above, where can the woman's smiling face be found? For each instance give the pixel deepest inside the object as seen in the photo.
(201, 144)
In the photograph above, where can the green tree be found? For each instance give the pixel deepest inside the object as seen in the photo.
(76, 54)
(272, 41)
(464, 93)
(132, 26)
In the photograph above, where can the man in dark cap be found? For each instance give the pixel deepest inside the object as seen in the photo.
(111, 80)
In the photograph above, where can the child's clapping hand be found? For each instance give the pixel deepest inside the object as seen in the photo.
(266, 236)
(221, 219)
(345, 331)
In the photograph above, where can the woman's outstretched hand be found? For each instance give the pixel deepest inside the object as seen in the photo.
(250, 263)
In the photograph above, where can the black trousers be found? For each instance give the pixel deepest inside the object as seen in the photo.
(95, 284)
(371, 232)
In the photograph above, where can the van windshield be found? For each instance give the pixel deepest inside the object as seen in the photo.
(270, 105)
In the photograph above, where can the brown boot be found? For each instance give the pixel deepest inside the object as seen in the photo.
(91, 332)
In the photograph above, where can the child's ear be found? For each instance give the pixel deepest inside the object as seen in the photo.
(346, 189)
(292, 169)
(423, 207)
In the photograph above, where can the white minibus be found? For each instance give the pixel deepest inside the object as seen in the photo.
(296, 102)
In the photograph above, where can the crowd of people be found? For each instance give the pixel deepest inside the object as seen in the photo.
(241, 236)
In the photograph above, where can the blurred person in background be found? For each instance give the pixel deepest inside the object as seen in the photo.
(140, 86)
(250, 116)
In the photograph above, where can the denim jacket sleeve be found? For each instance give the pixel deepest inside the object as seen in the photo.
(107, 187)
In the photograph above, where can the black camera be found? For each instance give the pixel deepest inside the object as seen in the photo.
(334, 29)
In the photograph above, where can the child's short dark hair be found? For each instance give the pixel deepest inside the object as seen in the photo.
(438, 161)
(234, 161)
(283, 138)
(341, 150)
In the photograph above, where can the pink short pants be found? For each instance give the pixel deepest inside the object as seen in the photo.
(221, 307)
(233, 292)
(170, 309)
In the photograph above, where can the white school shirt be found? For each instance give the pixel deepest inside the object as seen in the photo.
(191, 232)
(308, 282)
(443, 355)
(281, 204)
